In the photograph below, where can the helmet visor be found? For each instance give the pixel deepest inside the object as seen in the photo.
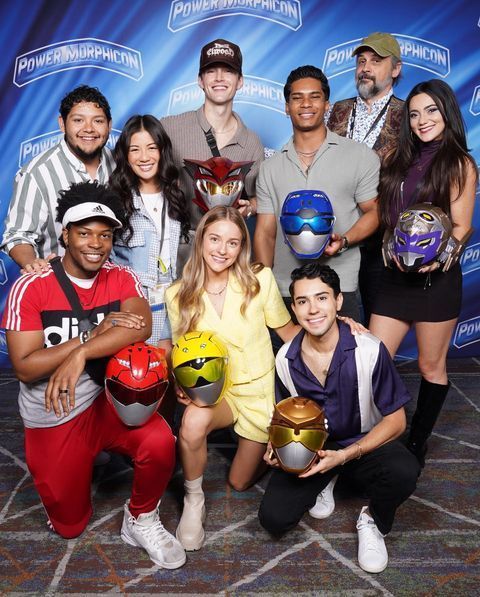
(144, 396)
(294, 224)
(200, 371)
(312, 439)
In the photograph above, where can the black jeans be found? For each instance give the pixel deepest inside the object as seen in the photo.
(388, 475)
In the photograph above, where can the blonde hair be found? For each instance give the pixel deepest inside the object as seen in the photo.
(191, 286)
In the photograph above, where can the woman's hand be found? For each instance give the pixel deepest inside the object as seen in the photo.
(432, 267)
(182, 398)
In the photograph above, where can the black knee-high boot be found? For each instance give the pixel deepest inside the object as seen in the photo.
(431, 397)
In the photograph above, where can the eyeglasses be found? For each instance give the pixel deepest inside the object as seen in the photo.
(200, 371)
(145, 396)
(319, 224)
(312, 439)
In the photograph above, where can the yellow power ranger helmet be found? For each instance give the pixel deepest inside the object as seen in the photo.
(297, 430)
(199, 361)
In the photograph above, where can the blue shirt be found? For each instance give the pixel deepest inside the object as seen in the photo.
(362, 385)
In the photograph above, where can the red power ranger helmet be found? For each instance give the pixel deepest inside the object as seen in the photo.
(218, 181)
(136, 380)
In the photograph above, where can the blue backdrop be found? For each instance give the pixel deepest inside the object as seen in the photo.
(143, 55)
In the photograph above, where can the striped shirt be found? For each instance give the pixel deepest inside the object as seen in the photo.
(32, 211)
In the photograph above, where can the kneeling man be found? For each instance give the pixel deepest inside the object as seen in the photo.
(67, 418)
(356, 383)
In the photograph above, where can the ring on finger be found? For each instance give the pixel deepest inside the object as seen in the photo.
(114, 322)
(63, 391)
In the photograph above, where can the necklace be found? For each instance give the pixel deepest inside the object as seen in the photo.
(307, 163)
(307, 153)
(217, 293)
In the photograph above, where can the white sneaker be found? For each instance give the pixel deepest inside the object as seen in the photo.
(148, 532)
(372, 553)
(190, 530)
(325, 504)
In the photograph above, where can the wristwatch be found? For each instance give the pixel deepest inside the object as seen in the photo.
(345, 245)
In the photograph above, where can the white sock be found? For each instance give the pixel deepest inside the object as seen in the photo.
(194, 491)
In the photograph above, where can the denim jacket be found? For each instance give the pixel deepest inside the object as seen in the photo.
(142, 251)
(141, 254)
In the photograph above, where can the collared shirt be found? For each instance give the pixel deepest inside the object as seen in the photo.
(343, 169)
(32, 211)
(187, 133)
(365, 119)
(362, 385)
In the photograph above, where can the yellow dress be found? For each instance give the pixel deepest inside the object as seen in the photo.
(251, 360)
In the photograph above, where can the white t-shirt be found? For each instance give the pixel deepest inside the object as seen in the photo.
(153, 203)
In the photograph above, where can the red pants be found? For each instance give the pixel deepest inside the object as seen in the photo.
(61, 458)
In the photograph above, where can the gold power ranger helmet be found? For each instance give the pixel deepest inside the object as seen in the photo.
(199, 361)
(297, 430)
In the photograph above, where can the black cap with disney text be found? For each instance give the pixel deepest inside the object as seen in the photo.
(221, 51)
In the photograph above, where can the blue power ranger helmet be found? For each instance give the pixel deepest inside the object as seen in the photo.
(307, 222)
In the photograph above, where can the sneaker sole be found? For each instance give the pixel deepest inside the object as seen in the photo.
(168, 565)
(373, 570)
(193, 546)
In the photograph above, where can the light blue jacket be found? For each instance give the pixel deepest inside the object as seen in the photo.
(141, 254)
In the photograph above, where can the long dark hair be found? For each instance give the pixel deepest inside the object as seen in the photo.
(449, 167)
(125, 182)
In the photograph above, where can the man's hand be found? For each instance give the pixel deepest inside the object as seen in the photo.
(38, 266)
(60, 392)
(247, 207)
(355, 326)
(123, 319)
(334, 245)
(269, 456)
(328, 459)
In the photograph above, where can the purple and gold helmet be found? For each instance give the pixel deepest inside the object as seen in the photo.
(307, 222)
(421, 235)
(297, 430)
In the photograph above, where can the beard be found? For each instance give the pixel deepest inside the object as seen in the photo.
(365, 89)
(369, 87)
(82, 155)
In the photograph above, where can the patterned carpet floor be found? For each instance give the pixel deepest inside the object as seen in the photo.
(434, 548)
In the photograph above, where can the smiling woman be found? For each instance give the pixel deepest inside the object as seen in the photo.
(147, 181)
(221, 291)
(430, 164)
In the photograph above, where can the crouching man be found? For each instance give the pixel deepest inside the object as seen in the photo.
(355, 381)
(67, 418)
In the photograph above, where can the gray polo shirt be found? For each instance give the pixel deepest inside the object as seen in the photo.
(187, 133)
(346, 171)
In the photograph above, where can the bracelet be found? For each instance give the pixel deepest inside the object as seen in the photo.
(345, 245)
(85, 336)
(344, 456)
(360, 451)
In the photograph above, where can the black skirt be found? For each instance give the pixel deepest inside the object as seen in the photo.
(419, 297)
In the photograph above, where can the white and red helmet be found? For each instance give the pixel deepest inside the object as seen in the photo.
(136, 380)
